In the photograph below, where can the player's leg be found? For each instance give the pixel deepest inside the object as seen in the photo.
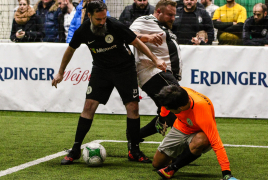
(127, 86)
(198, 144)
(153, 87)
(171, 146)
(98, 91)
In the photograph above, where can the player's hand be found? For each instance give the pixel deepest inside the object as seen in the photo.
(160, 64)
(20, 35)
(160, 127)
(234, 23)
(196, 40)
(219, 20)
(57, 79)
(156, 39)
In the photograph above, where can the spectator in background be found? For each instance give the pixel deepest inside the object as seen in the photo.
(26, 26)
(229, 20)
(255, 28)
(189, 20)
(198, 4)
(79, 17)
(65, 17)
(137, 9)
(48, 12)
(210, 7)
(200, 39)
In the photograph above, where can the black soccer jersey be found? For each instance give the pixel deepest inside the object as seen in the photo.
(110, 51)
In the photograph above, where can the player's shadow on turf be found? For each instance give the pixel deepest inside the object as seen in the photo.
(193, 176)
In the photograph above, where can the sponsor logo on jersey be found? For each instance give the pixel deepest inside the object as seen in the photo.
(93, 50)
(109, 38)
(210, 78)
(101, 50)
(264, 32)
(189, 122)
(91, 42)
(89, 89)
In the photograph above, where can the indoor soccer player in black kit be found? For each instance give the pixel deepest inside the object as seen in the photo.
(113, 66)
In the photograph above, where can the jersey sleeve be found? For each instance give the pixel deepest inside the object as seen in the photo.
(128, 35)
(137, 25)
(205, 120)
(242, 15)
(77, 38)
(217, 14)
(164, 112)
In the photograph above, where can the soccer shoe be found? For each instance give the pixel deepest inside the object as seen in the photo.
(166, 172)
(138, 156)
(229, 177)
(73, 155)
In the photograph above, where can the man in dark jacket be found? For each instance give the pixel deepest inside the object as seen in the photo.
(255, 27)
(48, 12)
(191, 19)
(68, 10)
(137, 9)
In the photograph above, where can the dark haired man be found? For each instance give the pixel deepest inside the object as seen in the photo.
(68, 10)
(191, 19)
(154, 30)
(137, 9)
(113, 66)
(194, 132)
(255, 30)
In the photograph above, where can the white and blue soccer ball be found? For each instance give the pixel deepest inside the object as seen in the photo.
(94, 154)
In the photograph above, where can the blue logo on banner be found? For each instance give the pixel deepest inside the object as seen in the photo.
(19, 73)
(226, 77)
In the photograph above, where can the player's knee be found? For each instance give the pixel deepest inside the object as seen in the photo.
(156, 164)
(200, 141)
(132, 108)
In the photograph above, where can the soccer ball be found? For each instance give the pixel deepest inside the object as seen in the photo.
(94, 154)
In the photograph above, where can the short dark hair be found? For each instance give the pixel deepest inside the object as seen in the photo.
(172, 97)
(96, 6)
(263, 6)
(164, 3)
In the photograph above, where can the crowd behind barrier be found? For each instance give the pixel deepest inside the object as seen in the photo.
(51, 21)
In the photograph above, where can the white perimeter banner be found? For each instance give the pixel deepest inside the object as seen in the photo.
(233, 77)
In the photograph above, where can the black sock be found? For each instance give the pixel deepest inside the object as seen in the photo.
(148, 129)
(133, 133)
(185, 158)
(81, 131)
(226, 172)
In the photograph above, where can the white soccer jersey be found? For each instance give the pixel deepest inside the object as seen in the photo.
(169, 51)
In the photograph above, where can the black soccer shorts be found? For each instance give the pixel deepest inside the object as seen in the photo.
(103, 81)
(157, 82)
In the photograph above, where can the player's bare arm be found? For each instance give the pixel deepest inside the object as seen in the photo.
(160, 64)
(155, 39)
(65, 60)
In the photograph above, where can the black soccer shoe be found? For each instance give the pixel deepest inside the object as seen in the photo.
(73, 155)
(138, 157)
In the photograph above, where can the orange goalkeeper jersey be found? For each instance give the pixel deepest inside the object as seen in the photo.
(200, 117)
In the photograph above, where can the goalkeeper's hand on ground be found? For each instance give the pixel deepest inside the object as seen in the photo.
(160, 127)
(229, 177)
